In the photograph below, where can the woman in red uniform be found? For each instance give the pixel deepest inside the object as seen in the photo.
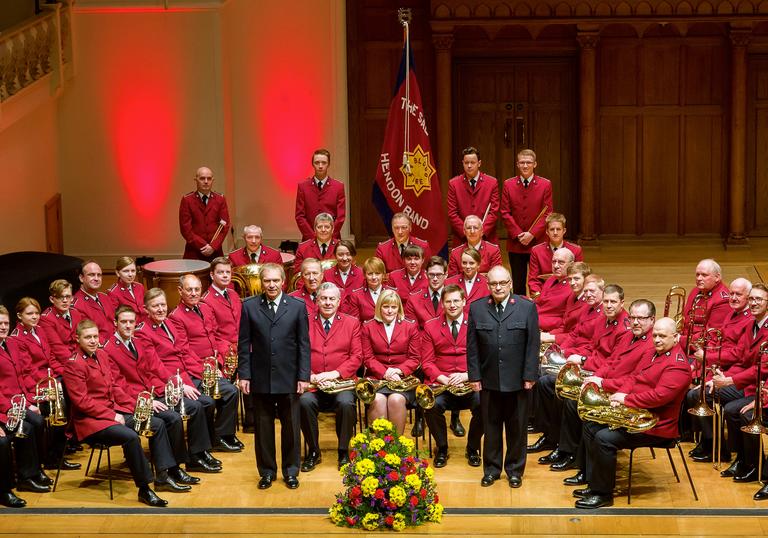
(345, 274)
(361, 303)
(126, 290)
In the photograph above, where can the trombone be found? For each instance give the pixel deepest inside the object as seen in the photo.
(755, 426)
(697, 312)
(677, 294)
(711, 340)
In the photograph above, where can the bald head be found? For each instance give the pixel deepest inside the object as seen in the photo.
(204, 180)
(739, 293)
(499, 283)
(664, 335)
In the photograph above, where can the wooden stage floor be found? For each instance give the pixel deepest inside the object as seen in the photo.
(230, 504)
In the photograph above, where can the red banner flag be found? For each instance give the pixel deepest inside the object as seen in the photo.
(406, 176)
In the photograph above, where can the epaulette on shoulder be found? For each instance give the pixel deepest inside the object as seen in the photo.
(140, 325)
(725, 295)
(366, 322)
(112, 287)
(680, 358)
(15, 332)
(192, 193)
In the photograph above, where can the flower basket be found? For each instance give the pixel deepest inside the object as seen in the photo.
(388, 486)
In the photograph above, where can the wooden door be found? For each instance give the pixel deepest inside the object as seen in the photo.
(502, 106)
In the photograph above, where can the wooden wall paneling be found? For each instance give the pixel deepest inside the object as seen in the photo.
(757, 148)
(617, 187)
(660, 174)
(618, 72)
(660, 64)
(703, 206)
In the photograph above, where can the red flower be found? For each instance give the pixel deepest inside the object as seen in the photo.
(389, 520)
(393, 475)
(414, 500)
(351, 521)
(409, 459)
(379, 493)
(381, 453)
(355, 492)
(437, 498)
(423, 493)
(352, 454)
(357, 501)
(388, 438)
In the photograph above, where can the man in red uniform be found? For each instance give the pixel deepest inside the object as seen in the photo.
(490, 254)
(540, 264)
(411, 278)
(201, 213)
(195, 329)
(321, 245)
(254, 250)
(311, 278)
(320, 194)
(334, 340)
(525, 202)
(425, 304)
(92, 303)
(102, 412)
(225, 304)
(707, 306)
(550, 304)
(391, 250)
(59, 322)
(659, 387)
(473, 193)
(444, 361)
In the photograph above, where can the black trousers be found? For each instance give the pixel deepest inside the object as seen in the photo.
(159, 444)
(571, 428)
(518, 265)
(549, 408)
(342, 403)
(226, 408)
(134, 453)
(704, 424)
(27, 451)
(602, 444)
(198, 436)
(286, 408)
(745, 445)
(437, 424)
(504, 413)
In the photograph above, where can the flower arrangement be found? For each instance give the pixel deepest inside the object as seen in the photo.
(387, 485)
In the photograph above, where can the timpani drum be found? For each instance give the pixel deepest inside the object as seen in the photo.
(165, 274)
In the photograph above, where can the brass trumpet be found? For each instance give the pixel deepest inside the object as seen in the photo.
(174, 394)
(334, 386)
(593, 404)
(16, 415)
(48, 389)
(677, 294)
(366, 388)
(142, 414)
(425, 394)
(210, 381)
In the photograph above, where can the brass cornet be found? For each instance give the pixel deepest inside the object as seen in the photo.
(16, 415)
(426, 394)
(48, 389)
(230, 361)
(174, 394)
(210, 381)
(142, 414)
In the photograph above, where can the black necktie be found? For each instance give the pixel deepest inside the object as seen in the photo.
(755, 330)
(68, 319)
(525, 183)
(273, 307)
(319, 185)
(132, 349)
(472, 183)
(455, 329)
(226, 295)
(4, 346)
(167, 331)
(435, 300)
(402, 248)
(314, 297)
(197, 311)
(327, 326)
(253, 257)
(500, 309)
(323, 249)
(205, 199)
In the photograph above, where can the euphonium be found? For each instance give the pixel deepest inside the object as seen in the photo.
(16, 415)
(334, 386)
(569, 380)
(425, 394)
(593, 404)
(174, 394)
(366, 388)
(142, 414)
(676, 293)
(48, 389)
(551, 359)
(247, 279)
(755, 426)
(230, 361)
(210, 381)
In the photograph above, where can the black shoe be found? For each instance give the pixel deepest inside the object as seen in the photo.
(702, 458)
(552, 457)
(595, 501)
(198, 465)
(488, 480)
(343, 459)
(149, 497)
(541, 444)
(234, 441)
(581, 493)
(473, 457)
(531, 428)
(291, 481)
(579, 479)
(31, 484)
(164, 482)
(441, 458)
(457, 427)
(7, 498)
(700, 450)
(180, 476)
(266, 482)
(750, 475)
(418, 427)
(761, 494)
(209, 459)
(225, 446)
(312, 459)
(735, 469)
(43, 479)
(66, 465)
(568, 462)
(515, 481)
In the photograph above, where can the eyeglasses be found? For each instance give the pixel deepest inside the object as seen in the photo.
(500, 284)
(757, 300)
(639, 318)
(435, 275)
(525, 163)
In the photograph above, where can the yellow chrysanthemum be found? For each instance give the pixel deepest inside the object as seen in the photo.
(397, 495)
(381, 424)
(392, 459)
(429, 472)
(398, 525)
(358, 440)
(336, 515)
(407, 443)
(364, 467)
(369, 486)
(371, 521)
(413, 480)
(435, 512)
(376, 444)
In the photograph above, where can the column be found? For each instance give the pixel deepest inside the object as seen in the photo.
(587, 132)
(737, 181)
(443, 44)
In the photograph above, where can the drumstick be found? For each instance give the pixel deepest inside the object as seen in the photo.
(487, 210)
(222, 223)
(543, 210)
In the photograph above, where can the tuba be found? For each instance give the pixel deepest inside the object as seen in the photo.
(593, 404)
(334, 386)
(16, 415)
(551, 359)
(174, 394)
(569, 380)
(677, 294)
(142, 414)
(425, 394)
(366, 388)
(48, 389)
(247, 279)
(230, 361)
(210, 381)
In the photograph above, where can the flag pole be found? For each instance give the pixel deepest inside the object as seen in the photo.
(404, 16)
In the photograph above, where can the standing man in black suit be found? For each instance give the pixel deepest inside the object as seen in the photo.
(274, 368)
(502, 362)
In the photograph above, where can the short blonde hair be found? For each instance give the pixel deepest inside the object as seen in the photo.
(389, 297)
